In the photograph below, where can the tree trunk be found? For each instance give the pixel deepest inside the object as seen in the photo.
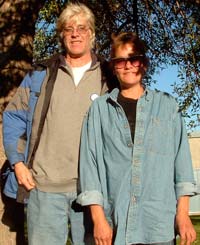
(17, 28)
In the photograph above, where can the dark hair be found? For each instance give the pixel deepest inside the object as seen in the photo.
(138, 45)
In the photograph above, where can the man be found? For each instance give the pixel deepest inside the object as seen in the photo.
(42, 127)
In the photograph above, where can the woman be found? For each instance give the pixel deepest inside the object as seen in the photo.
(135, 167)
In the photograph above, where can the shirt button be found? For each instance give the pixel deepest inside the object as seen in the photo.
(129, 144)
(136, 180)
(133, 199)
(136, 162)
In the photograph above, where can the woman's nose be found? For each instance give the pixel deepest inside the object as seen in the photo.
(128, 64)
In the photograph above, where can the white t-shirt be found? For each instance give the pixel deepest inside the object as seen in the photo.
(78, 72)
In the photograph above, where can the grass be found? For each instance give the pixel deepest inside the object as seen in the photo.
(196, 223)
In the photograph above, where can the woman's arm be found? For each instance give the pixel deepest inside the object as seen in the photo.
(183, 223)
(103, 233)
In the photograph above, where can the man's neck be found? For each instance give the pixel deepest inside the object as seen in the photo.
(74, 61)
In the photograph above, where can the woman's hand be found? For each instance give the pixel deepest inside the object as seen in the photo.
(184, 225)
(103, 233)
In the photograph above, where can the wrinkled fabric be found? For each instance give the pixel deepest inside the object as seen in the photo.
(137, 184)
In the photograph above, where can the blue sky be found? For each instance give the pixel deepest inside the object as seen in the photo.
(165, 79)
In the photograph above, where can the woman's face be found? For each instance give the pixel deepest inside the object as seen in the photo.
(128, 67)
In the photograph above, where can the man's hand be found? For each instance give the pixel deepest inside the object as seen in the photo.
(103, 233)
(184, 225)
(24, 176)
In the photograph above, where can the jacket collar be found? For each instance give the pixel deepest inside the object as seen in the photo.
(60, 57)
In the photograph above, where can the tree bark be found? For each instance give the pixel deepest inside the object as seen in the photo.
(17, 28)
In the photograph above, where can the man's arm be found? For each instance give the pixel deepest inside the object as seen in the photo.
(183, 223)
(103, 233)
(15, 119)
(15, 123)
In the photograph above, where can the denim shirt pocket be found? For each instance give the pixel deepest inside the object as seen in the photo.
(158, 138)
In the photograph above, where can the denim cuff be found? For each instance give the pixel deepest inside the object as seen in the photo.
(186, 189)
(89, 198)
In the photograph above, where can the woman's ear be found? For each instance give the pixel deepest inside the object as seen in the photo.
(144, 70)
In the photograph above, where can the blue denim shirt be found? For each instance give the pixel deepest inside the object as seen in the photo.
(137, 184)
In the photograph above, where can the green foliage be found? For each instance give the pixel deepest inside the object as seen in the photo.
(45, 41)
(170, 30)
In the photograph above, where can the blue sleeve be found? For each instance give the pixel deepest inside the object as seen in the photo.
(15, 123)
(91, 192)
(184, 176)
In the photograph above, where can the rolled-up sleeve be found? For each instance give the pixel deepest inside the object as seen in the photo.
(89, 172)
(186, 189)
(184, 175)
(90, 197)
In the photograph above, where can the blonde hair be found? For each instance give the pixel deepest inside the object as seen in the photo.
(75, 11)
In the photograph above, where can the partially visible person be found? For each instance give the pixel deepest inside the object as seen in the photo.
(136, 173)
(42, 125)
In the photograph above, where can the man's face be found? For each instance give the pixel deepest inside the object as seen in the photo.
(76, 37)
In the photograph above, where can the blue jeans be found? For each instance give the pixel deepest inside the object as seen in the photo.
(48, 216)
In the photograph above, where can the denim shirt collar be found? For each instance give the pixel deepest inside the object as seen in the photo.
(147, 95)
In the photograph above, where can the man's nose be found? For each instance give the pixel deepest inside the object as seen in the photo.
(75, 32)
